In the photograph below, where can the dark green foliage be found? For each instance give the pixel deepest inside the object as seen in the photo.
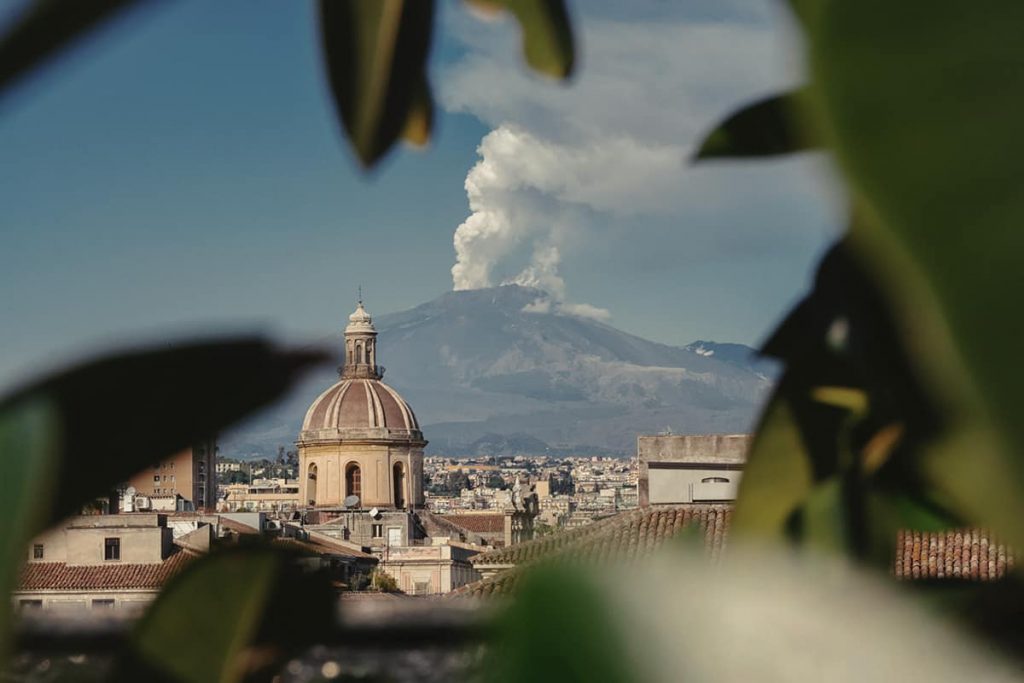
(376, 53)
(768, 127)
(548, 43)
(45, 28)
(235, 614)
(844, 434)
(922, 110)
(114, 416)
(557, 630)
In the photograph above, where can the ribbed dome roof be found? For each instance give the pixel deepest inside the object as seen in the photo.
(360, 409)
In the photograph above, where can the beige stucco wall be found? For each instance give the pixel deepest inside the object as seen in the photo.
(376, 463)
(145, 539)
(443, 568)
(79, 602)
(702, 454)
(685, 485)
(190, 473)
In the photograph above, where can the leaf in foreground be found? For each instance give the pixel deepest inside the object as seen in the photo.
(558, 629)
(120, 413)
(231, 614)
(548, 42)
(768, 127)
(930, 137)
(376, 53)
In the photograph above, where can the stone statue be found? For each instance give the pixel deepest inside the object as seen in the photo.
(517, 494)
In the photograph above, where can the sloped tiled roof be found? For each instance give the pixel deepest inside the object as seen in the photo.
(318, 547)
(436, 525)
(479, 523)
(627, 536)
(114, 576)
(971, 554)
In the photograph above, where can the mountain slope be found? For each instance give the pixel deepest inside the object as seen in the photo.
(492, 362)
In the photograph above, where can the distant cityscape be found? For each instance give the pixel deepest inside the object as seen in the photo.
(571, 491)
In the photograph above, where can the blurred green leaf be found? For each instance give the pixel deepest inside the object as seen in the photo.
(29, 445)
(376, 54)
(118, 414)
(777, 477)
(421, 116)
(547, 33)
(923, 107)
(824, 523)
(768, 127)
(232, 614)
(46, 27)
(559, 628)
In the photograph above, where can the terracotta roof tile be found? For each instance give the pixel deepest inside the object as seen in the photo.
(114, 576)
(626, 536)
(971, 554)
(319, 547)
(479, 523)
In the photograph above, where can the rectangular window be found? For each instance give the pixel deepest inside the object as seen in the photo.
(172, 478)
(105, 603)
(378, 531)
(30, 604)
(111, 548)
(37, 551)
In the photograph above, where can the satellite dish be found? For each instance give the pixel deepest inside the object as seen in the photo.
(351, 502)
(375, 513)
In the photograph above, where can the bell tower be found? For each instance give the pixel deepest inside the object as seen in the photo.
(361, 347)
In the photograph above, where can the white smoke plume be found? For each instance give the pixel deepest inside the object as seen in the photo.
(560, 161)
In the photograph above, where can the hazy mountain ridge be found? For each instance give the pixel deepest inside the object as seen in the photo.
(475, 364)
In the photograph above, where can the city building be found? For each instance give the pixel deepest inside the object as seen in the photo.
(361, 475)
(188, 477)
(360, 440)
(106, 562)
(262, 495)
(690, 468)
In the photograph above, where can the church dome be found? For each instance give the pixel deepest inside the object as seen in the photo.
(360, 409)
(360, 406)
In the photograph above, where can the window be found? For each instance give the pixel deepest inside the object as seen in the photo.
(156, 477)
(30, 604)
(714, 480)
(111, 548)
(37, 551)
(378, 531)
(172, 478)
(103, 603)
(421, 588)
(353, 480)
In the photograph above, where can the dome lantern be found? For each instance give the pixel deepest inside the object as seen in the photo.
(360, 347)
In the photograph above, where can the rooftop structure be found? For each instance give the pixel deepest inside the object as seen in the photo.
(360, 441)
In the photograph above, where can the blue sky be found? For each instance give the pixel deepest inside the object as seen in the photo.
(184, 172)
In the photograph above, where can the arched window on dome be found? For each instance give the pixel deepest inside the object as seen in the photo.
(353, 481)
(398, 480)
(359, 354)
(311, 484)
